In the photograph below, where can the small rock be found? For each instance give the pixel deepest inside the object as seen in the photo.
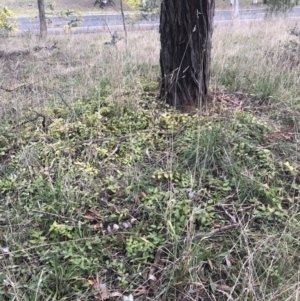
(5, 250)
(133, 221)
(115, 227)
(126, 225)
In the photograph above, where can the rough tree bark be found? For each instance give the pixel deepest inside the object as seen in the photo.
(43, 23)
(186, 28)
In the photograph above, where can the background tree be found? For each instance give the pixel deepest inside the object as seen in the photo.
(185, 33)
(280, 6)
(5, 25)
(42, 16)
(103, 3)
(236, 9)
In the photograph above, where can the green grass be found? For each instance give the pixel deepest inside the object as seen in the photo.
(107, 192)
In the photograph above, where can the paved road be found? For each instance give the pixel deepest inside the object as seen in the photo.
(103, 22)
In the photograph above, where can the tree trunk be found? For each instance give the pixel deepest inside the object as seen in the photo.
(236, 10)
(186, 28)
(43, 24)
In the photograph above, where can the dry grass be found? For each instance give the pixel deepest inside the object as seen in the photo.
(76, 69)
(245, 57)
(252, 57)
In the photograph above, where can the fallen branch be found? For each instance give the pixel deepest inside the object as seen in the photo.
(37, 115)
(14, 53)
(39, 48)
(66, 103)
(12, 89)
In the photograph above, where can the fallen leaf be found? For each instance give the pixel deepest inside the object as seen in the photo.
(129, 298)
(152, 278)
(210, 264)
(95, 213)
(223, 287)
(89, 217)
(228, 262)
(140, 291)
(97, 227)
(115, 294)
(104, 294)
(229, 196)
(92, 215)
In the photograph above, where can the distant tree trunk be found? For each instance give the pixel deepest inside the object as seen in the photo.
(186, 28)
(236, 9)
(43, 24)
(123, 20)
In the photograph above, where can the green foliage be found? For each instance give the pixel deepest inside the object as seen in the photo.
(290, 50)
(75, 21)
(72, 15)
(60, 230)
(73, 168)
(280, 6)
(150, 6)
(227, 158)
(133, 4)
(147, 8)
(5, 25)
(143, 249)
